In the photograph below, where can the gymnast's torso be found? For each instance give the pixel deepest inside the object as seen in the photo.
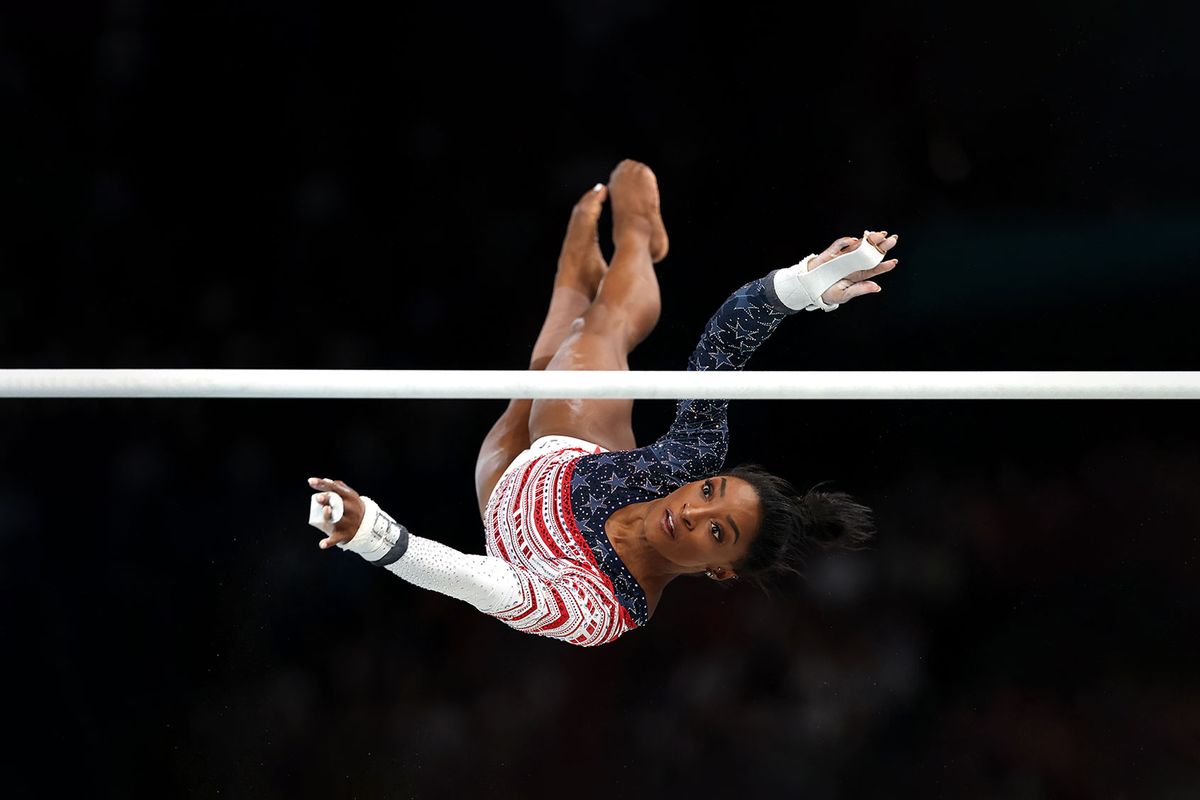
(547, 514)
(572, 587)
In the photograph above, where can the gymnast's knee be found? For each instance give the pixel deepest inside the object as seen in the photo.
(602, 320)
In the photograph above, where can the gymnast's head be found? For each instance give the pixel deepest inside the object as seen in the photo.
(756, 526)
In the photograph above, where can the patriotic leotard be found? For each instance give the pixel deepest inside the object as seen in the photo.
(551, 569)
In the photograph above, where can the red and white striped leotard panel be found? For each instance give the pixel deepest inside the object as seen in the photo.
(528, 523)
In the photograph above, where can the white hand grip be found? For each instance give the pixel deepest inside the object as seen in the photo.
(316, 512)
(799, 288)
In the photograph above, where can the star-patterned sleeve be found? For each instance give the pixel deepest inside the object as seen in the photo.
(698, 439)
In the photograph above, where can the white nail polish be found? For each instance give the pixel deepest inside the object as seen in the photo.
(597, 187)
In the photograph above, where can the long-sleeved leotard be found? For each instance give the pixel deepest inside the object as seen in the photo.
(551, 569)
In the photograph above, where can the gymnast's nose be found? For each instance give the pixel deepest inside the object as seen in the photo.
(683, 515)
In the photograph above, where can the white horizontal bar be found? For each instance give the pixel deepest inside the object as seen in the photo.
(649, 385)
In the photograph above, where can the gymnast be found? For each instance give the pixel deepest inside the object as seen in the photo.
(583, 528)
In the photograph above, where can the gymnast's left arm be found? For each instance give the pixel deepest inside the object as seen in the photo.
(751, 314)
(490, 584)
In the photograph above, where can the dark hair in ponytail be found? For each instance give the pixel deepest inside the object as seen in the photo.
(794, 525)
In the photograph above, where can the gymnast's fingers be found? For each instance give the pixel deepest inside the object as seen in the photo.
(878, 269)
(881, 241)
(843, 244)
(343, 532)
(338, 487)
(861, 288)
(331, 486)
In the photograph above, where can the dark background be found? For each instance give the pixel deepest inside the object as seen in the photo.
(309, 185)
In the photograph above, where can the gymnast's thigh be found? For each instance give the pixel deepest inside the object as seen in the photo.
(608, 423)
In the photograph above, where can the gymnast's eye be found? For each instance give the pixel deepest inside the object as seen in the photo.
(716, 532)
(707, 490)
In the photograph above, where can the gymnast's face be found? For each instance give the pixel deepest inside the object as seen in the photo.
(706, 524)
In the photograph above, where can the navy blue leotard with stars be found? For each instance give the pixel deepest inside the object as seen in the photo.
(693, 448)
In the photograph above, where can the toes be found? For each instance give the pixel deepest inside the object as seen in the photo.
(628, 165)
(592, 200)
(633, 171)
(580, 258)
(586, 212)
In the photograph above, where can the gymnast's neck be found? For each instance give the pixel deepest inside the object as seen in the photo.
(626, 529)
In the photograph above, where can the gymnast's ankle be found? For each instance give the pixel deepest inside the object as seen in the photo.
(634, 233)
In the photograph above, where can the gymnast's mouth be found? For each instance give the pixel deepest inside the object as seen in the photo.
(668, 523)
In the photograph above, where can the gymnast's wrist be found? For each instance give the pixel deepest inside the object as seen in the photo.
(795, 288)
(379, 538)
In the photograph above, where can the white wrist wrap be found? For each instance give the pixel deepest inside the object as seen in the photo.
(798, 288)
(379, 538)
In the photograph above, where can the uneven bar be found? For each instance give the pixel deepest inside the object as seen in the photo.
(643, 385)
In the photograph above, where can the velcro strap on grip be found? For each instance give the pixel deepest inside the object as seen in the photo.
(379, 538)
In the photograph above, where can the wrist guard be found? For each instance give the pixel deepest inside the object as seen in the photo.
(379, 538)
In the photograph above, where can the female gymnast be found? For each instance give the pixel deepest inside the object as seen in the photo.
(583, 528)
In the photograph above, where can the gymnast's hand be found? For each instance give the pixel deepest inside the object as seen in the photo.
(352, 516)
(856, 283)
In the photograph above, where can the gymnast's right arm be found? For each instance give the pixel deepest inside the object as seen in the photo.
(490, 584)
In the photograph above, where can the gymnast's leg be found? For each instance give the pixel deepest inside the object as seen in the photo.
(581, 268)
(625, 311)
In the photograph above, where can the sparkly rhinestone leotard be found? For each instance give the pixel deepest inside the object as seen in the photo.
(550, 568)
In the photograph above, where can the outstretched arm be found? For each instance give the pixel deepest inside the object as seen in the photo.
(490, 584)
(748, 317)
(575, 608)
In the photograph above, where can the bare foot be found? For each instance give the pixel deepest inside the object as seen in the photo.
(636, 212)
(856, 283)
(580, 263)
